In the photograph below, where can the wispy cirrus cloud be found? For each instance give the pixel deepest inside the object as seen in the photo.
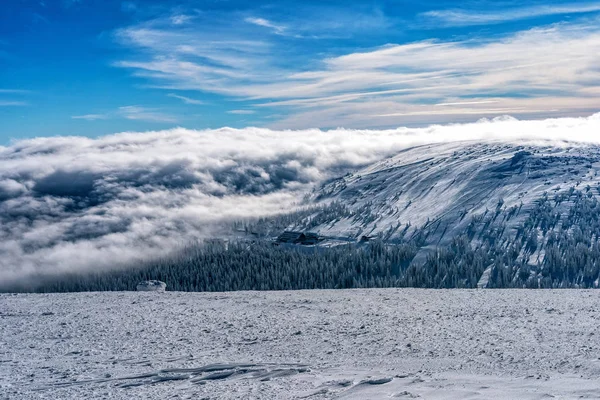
(13, 103)
(278, 29)
(551, 70)
(90, 117)
(14, 91)
(462, 103)
(145, 114)
(139, 113)
(241, 112)
(179, 19)
(463, 17)
(186, 100)
(10, 95)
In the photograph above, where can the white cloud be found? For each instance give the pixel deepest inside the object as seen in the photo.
(532, 73)
(278, 29)
(90, 117)
(457, 17)
(185, 99)
(241, 112)
(181, 19)
(14, 91)
(10, 102)
(131, 112)
(145, 114)
(13, 103)
(462, 103)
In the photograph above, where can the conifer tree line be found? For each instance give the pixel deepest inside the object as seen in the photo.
(256, 266)
(557, 245)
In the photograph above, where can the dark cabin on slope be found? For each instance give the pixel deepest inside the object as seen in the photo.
(305, 238)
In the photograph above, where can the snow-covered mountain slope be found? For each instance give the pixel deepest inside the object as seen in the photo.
(444, 186)
(504, 214)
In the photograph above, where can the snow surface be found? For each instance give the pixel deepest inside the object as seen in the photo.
(347, 344)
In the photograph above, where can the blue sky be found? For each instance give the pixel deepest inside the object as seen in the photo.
(94, 67)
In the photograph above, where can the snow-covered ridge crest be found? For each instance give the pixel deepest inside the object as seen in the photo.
(447, 184)
(75, 203)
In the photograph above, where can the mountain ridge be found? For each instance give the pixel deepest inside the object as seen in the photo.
(446, 215)
(455, 183)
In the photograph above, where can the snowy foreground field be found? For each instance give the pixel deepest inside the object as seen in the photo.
(359, 344)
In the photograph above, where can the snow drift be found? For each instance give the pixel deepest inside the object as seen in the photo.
(151, 286)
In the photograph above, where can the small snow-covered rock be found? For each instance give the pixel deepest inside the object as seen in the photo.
(151, 286)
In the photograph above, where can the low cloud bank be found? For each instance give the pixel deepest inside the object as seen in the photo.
(78, 204)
